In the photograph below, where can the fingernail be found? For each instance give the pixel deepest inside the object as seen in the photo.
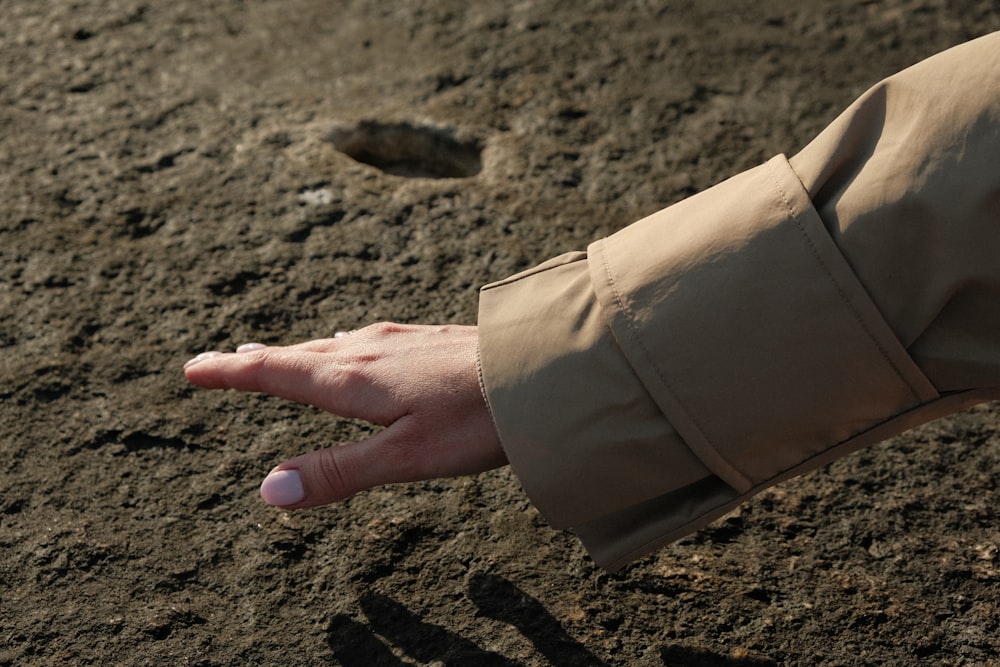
(250, 347)
(201, 357)
(282, 488)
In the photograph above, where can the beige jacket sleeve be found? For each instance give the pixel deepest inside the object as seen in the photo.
(765, 327)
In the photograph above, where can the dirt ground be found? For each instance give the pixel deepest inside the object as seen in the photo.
(178, 176)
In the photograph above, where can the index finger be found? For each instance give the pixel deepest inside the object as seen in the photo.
(319, 379)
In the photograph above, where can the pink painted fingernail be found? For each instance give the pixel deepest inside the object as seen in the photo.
(201, 357)
(282, 488)
(250, 347)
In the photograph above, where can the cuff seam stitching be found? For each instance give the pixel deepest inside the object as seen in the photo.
(914, 393)
(732, 474)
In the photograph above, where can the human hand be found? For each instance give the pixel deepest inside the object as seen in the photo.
(420, 382)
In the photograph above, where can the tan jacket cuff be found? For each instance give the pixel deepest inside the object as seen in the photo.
(643, 388)
(581, 432)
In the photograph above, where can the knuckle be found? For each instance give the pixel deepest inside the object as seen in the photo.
(353, 373)
(333, 475)
(258, 366)
(386, 328)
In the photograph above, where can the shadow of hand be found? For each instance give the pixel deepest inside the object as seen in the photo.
(391, 625)
(357, 644)
(501, 600)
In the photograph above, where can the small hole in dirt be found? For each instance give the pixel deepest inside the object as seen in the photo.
(412, 151)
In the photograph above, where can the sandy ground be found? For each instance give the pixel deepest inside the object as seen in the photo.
(177, 176)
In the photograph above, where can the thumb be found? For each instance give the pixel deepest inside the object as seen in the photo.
(333, 474)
